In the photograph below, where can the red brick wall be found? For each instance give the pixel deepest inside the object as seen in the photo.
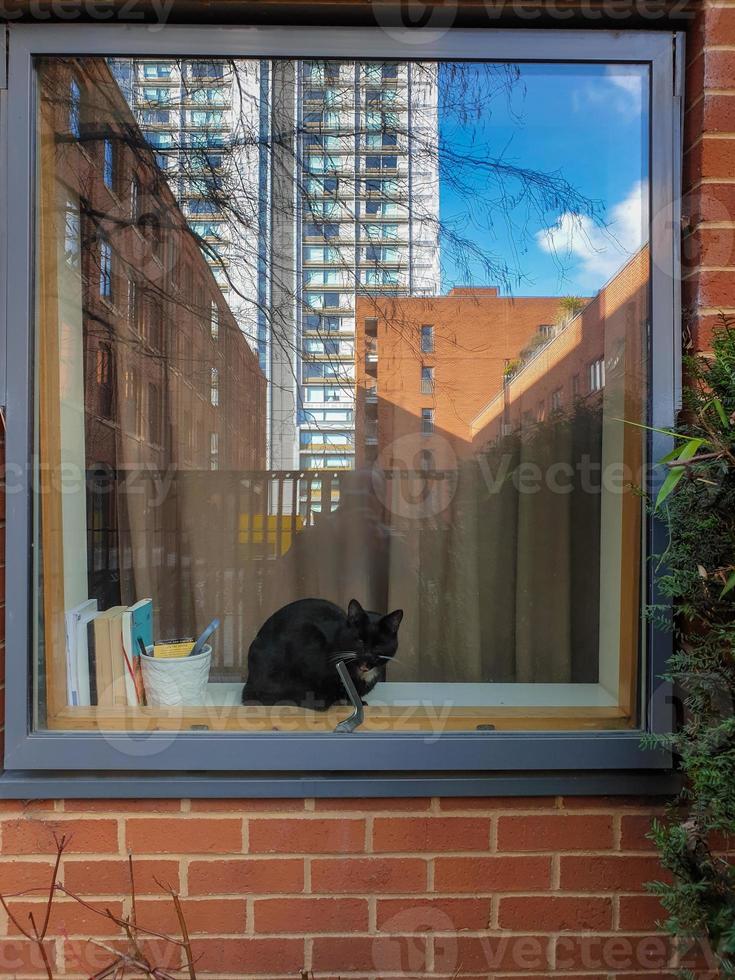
(505, 887)
(500, 888)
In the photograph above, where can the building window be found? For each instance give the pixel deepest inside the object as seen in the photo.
(154, 414)
(105, 279)
(135, 199)
(108, 164)
(75, 109)
(104, 380)
(511, 654)
(597, 375)
(576, 387)
(72, 244)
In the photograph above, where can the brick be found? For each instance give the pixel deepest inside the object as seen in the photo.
(633, 830)
(186, 834)
(26, 808)
(555, 914)
(430, 834)
(719, 113)
(563, 832)
(37, 837)
(247, 876)
(311, 915)
(425, 914)
(122, 806)
(283, 957)
(370, 875)
(512, 803)
(418, 804)
(68, 918)
(487, 875)
(220, 916)
(404, 955)
(307, 836)
(247, 806)
(708, 247)
(112, 877)
(715, 289)
(20, 957)
(640, 912)
(719, 26)
(608, 873)
(718, 69)
(521, 953)
(86, 958)
(19, 876)
(617, 953)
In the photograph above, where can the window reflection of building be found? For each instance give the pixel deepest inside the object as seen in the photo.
(426, 366)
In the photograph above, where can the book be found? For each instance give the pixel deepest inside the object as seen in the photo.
(77, 653)
(117, 658)
(137, 624)
(108, 657)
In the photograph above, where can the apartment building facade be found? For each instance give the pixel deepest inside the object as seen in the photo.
(345, 155)
(426, 366)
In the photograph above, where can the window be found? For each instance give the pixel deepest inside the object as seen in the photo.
(105, 277)
(522, 643)
(75, 108)
(104, 381)
(135, 198)
(154, 414)
(597, 375)
(108, 165)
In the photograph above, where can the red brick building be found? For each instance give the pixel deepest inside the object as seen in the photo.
(571, 362)
(426, 366)
(170, 379)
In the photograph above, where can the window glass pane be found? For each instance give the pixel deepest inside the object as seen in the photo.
(340, 351)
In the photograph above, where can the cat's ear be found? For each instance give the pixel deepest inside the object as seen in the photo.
(355, 613)
(393, 620)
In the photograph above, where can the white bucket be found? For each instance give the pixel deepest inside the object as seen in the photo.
(176, 681)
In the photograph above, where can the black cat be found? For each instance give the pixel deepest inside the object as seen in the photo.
(289, 659)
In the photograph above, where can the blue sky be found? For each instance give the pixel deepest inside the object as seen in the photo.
(586, 124)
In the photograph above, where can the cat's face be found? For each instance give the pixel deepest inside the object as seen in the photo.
(377, 636)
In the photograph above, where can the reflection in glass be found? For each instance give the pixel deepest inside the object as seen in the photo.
(348, 331)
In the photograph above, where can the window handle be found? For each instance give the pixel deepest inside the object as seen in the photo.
(340, 660)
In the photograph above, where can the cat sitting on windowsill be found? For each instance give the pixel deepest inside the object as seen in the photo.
(289, 659)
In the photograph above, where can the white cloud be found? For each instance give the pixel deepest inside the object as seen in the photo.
(621, 88)
(595, 252)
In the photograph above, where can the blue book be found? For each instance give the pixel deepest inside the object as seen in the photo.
(137, 625)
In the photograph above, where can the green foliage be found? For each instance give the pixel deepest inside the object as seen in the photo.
(697, 573)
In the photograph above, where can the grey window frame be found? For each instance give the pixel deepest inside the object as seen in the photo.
(211, 763)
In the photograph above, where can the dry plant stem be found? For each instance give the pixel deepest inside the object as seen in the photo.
(135, 959)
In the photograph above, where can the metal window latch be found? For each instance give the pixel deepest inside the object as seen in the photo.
(340, 661)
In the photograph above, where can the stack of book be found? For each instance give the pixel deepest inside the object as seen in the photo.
(103, 653)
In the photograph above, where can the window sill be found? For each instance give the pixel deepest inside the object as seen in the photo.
(392, 706)
(42, 784)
